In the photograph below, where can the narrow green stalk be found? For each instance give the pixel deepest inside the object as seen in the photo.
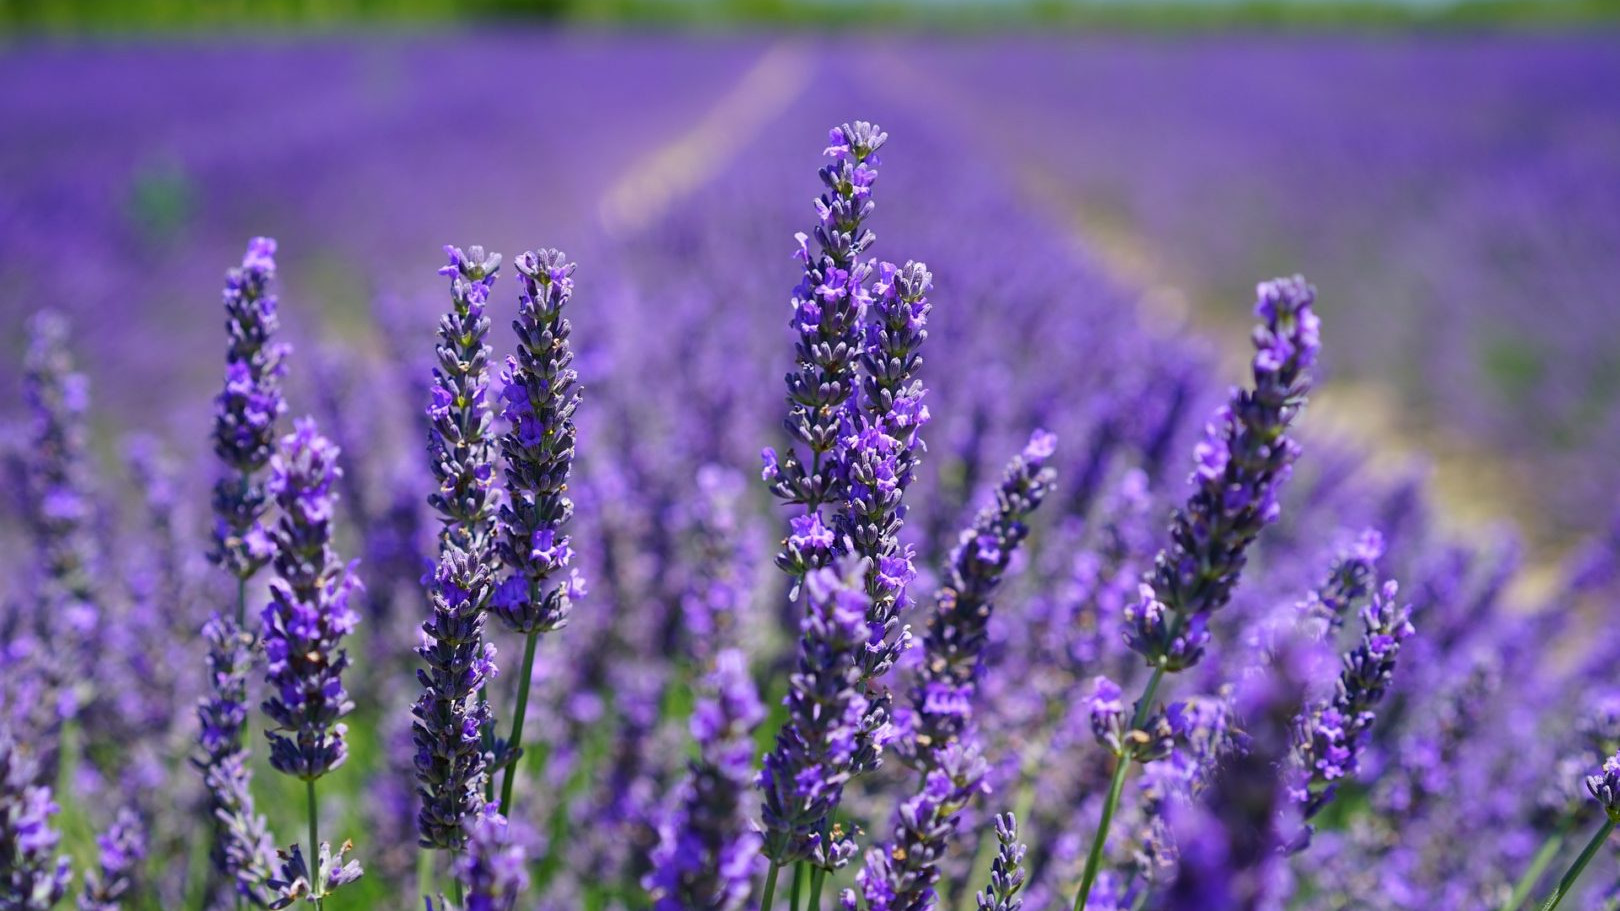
(524, 677)
(424, 874)
(1579, 867)
(817, 877)
(1094, 859)
(316, 887)
(798, 885)
(1538, 865)
(458, 892)
(769, 895)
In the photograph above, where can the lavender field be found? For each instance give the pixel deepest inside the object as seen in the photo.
(1080, 561)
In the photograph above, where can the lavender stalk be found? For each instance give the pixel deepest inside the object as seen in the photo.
(541, 397)
(1242, 463)
(451, 715)
(305, 622)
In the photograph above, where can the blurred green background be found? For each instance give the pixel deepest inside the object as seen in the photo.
(21, 17)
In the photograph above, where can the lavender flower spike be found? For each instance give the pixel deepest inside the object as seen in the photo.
(538, 448)
(1006, 871)
(954, 644)
(242, 851)
(123, 848)
(901, 876)
(1605, 789)
(246, 412)
(1242, 463)
(494, 870)
(828, 305)
(820, 745)
(1330, 737)
(30, 878)
(706, 856)
(460, 443)
(881, 452)
(58, 397)
(309, 613)
(450, 716)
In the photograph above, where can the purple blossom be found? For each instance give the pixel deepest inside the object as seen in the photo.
(707, 856)
(494, 869)
(122, 848)
(246, 411)
(828, 307)
(1241, 465)
(901, 875)
(1331, 736)
(31, 879)
(820, 746)
(1007, 873)
(958, 632)
(242, 850)
(309, 611)
(540, 398)
(450, 716)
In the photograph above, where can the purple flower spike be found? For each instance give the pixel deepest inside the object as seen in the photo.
(828, 307)
(958, 631)
(495, 869)
(1331, 736)
(540, 398)
(1240, 468)
(707, 857)
(242, 851)
(123, 848)
(309, 612)
(246, 411)
(450, 718)
(31, 879)
(821, 745)
(1006, 871)
(901, 876)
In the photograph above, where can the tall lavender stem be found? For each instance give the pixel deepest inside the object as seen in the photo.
(1241, 466)
(451, 714)
(541, 397)
(305, 622)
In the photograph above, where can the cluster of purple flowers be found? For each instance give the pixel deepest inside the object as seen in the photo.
(1067, 643)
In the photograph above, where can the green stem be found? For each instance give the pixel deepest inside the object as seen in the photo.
(1094, 859)
(1577, 868)
(424, 874)
(524, 677)
(769, 895)
(1098, 841)
(798, 885)
(1538, 865)
(316, 887)
(817, 877)
(458, 892)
